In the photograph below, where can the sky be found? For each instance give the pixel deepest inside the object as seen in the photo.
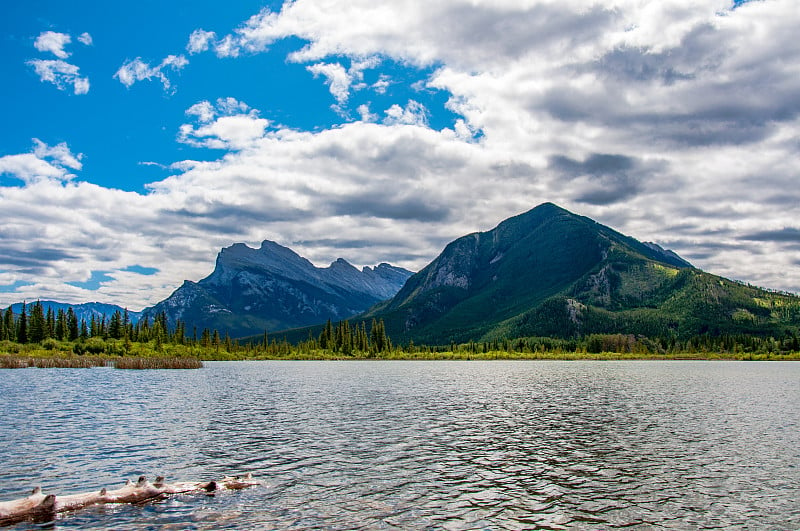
(136, 143)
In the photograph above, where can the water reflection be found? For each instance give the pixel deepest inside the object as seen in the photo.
(411, 445)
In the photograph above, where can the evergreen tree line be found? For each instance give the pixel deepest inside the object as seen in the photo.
(346, 339)
(34, 325)
(342, 338)
(629, 343)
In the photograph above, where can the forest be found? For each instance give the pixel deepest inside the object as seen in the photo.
(33, 336)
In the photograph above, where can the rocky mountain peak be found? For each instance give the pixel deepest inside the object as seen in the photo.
(274, 288)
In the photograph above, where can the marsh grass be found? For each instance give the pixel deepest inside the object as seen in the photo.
(87, 362)
(52, 362)
(158, 363)
(399, 354)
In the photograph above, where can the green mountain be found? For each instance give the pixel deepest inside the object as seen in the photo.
(549, 272)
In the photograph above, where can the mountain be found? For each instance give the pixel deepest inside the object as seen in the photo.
(273, 288)
(549, 272)
(82, 311)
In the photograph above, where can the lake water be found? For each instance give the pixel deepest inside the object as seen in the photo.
(417, 445)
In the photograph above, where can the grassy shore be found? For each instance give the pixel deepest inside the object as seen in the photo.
(503, 355)
(86, 362)
(137, 362)
(182, 356)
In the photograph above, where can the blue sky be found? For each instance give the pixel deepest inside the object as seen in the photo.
(120, 129)
(138, 142)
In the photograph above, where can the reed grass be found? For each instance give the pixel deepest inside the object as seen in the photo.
(158, 363)
(86, 362)
(23, 362)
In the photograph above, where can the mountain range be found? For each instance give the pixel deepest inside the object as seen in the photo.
(273, 288)
(546, 272)
(549, 272)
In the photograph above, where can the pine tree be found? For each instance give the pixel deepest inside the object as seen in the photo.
(162, 319)
(73, 329)
(22, 325)
(11, 324)
(144, 330)
(326, 337)
(61, 325)
(94, 329)
(3, 329)
(126, 321)
(115, 325)
(36, 323)
(50, 328)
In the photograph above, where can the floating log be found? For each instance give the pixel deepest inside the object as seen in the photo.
(40, 506)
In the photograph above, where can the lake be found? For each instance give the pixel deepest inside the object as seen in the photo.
(417, 445)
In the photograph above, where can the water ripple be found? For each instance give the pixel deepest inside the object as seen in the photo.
(418, 445)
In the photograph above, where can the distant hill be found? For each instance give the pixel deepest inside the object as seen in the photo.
(83, 310)
(273, 288)
(549, 272)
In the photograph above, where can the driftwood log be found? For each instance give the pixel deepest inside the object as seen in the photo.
(40, 506)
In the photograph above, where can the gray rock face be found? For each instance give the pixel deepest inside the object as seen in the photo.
(273, 288)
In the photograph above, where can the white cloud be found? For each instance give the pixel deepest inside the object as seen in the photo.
(204, 111)
(675, 81)
(341, 81)
(336, 77)
(60, 153)
(61, 74)
(53, 42)
(366, 114)
(231, 106)
(44, 162)
(227, 47)
(200, 41)
(382, 84)
(665, 120)
(414, 113)
(137, 70)
(229, 124)
(85, 38)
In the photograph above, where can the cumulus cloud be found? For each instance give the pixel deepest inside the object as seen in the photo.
(382, 84)
(61, 74)
(43, 162)
(659, 106)
(227, 47)
(414, 113)
(336, 77)
(341, 81)
(228, 124)
(53, 42)
(671, 121)
(85, 38)
(137, 70)
(200, 41)
(366, 114)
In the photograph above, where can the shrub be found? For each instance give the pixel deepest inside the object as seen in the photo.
(10, 347)
(95, 345)
(50, 344)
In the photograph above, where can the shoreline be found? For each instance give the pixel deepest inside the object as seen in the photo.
(11, 361)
